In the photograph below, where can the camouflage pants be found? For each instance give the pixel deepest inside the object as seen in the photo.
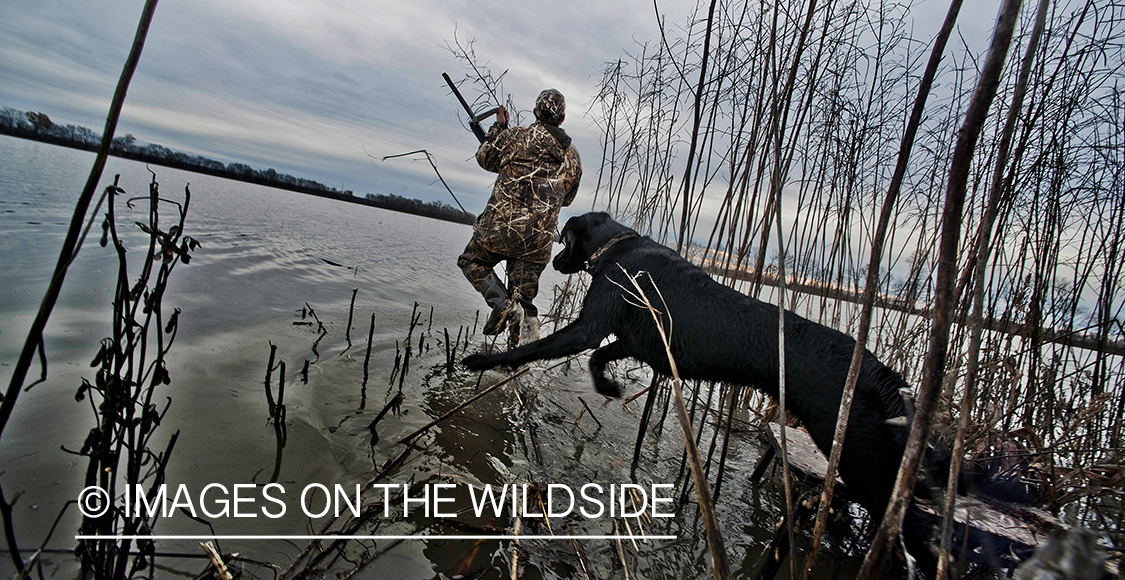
(477, 263)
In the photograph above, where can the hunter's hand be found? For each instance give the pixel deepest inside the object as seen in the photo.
(502, 115)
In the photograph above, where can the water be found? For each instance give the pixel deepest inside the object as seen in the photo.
(266, 256)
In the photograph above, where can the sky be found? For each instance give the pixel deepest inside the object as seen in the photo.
(323, 90)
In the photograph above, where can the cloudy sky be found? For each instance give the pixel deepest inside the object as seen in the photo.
(318, 88)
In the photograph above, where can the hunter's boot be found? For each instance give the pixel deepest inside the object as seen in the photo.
(496, 296)
(529, 329)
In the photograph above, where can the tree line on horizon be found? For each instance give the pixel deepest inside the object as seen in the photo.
(39, 127)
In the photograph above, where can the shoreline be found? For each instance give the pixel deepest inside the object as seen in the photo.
(399, 204)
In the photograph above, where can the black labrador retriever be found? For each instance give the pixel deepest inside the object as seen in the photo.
(719, 334)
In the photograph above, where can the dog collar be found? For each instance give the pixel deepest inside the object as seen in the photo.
(597, 253)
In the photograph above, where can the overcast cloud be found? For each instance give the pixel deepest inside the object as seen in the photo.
(315, 89)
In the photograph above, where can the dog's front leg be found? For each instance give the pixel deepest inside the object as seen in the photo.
(604, 355)
(573, 339)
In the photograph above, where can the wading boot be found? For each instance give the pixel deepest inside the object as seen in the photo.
(529, 329)
(496, 296)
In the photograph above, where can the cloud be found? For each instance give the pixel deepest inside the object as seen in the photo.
(313, 88)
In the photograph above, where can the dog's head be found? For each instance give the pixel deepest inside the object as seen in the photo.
(582, 236)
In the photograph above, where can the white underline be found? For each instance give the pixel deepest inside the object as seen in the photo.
(342, 537)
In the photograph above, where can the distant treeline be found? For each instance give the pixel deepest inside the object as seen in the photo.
(38, 127)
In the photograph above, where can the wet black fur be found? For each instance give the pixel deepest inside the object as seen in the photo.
(719, 334)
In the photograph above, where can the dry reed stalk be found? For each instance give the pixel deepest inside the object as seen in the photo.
(872, 283)
(351, 310)
(216, 560)
(367, 361)
(982, 257)
(269, 380)
(944, 299)
(515, 549)
(70, 248)
(706, 506)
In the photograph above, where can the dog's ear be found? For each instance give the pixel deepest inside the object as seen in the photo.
(577, 231)
(570, 225)
(570, 239)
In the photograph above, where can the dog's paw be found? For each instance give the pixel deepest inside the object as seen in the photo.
(478, 362)
(607, 387)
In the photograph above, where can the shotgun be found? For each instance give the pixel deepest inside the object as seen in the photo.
(474, 119)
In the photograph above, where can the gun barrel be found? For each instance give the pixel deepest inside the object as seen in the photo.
(474, 122)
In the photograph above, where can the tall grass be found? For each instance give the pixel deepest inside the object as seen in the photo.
(703, 127)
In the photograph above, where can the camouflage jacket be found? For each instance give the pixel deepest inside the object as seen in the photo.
(539, 170)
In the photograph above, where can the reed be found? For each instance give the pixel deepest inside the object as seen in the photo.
(71, 245)
(800, 107)
(131, 365)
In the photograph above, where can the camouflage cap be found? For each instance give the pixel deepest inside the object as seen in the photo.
(550, 107)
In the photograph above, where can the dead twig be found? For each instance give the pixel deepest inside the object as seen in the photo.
(217, 561)
(430, 158)
(706, 506)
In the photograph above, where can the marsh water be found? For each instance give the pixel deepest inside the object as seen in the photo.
(269, 256)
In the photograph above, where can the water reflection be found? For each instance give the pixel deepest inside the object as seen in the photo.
(269, 257)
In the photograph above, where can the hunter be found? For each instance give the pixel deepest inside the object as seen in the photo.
(539, 170)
